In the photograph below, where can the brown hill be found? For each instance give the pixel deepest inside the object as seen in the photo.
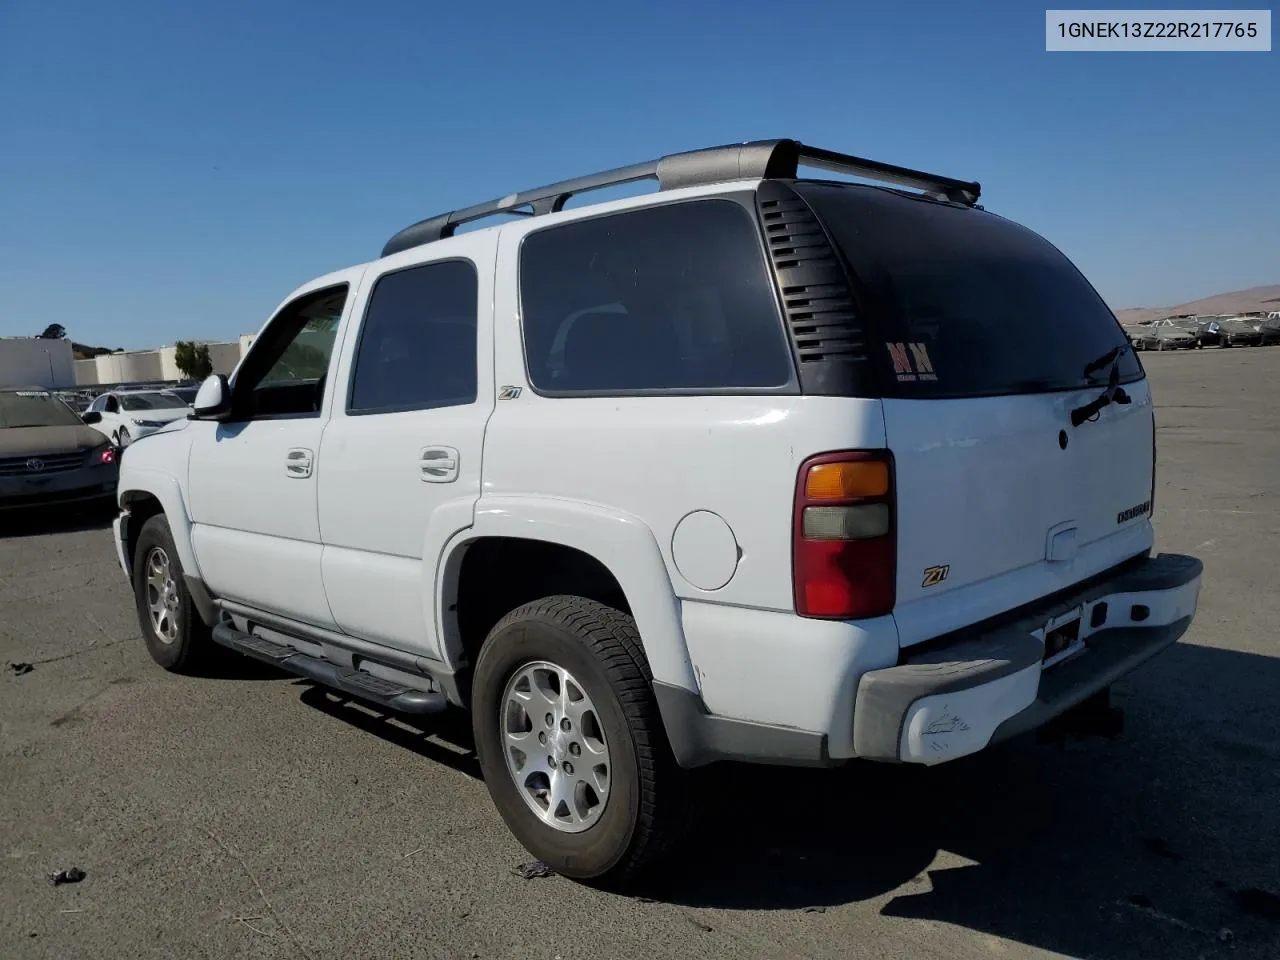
(1238, 301)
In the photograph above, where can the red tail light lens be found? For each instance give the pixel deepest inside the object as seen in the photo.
(108, 455)
(844, 546)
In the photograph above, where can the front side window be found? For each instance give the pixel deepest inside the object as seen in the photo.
(285, 371)
(417, 348)
(673, 298)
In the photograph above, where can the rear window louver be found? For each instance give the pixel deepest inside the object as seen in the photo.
(828, 339)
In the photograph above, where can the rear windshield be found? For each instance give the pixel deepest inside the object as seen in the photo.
(968, 303)
(32, 409)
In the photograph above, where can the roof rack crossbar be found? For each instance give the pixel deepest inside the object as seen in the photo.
(760, 159)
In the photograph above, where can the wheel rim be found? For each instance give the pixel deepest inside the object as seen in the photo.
(162, 595)
(555, 746)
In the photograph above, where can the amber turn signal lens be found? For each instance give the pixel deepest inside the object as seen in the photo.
(847, 479)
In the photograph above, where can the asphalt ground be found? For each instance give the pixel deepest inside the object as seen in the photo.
(251, 815)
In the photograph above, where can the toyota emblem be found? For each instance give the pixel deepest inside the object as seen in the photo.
(35, 465)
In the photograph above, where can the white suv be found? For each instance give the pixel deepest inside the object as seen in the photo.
(754, 467)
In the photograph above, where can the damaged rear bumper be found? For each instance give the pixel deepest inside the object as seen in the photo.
(955, 698)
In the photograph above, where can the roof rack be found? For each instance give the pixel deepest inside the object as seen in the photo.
(759, 159)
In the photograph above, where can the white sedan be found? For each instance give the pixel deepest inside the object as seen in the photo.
(130, 414)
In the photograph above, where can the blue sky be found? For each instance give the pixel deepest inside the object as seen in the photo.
(173, 170)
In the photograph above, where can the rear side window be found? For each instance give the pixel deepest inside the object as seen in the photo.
(417, 348)
(674, 298)
(969, 304)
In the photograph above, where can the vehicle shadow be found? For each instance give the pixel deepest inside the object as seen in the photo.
(233, 666)
(443, 737)
(1161, 843)
(1151, 845)
(39, 521)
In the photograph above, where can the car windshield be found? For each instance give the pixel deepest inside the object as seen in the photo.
(151, 401)
(21, 408)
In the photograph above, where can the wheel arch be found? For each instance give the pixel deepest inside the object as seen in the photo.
(572, 546)
(144, 495)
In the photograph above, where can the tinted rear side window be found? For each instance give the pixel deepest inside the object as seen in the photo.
(968, 303)
(417, 348)
(662, 299)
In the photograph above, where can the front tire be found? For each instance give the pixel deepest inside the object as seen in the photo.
(594, 791)
(176, 637)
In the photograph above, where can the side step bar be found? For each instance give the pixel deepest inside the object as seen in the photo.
(358, 683)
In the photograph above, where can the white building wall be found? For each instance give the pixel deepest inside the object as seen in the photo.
(168, 359)
(143, 365)
(86, 373)
(32, 362)
(129, 367)
(225, 356)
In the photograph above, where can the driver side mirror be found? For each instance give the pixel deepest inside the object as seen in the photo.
(213, 399)
(91, 417)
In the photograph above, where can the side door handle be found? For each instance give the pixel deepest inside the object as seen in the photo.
(297, 462)
(438, 464)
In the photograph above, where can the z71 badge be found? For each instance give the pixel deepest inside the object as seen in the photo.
(935, 575)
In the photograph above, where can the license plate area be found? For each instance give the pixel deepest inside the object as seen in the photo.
(1061, 637)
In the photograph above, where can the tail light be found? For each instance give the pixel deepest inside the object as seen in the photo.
(108, 456)
(844, 546)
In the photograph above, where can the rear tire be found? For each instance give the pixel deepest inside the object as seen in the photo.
(593, 653)
(176, 637)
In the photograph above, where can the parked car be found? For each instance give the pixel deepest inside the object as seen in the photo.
(643, 486)
(186, 391)
(1169, 335)
(49, 455)
(127, 415)
(1139, 335)
(1241, 331)
(77, 400)
(1271, 329)
(1209, 331)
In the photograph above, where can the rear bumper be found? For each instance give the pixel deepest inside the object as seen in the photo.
(956, 698)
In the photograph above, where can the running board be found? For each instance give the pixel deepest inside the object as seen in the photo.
(357, 683)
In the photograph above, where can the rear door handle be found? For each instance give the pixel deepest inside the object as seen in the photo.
(438, 464)
(297, 463)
